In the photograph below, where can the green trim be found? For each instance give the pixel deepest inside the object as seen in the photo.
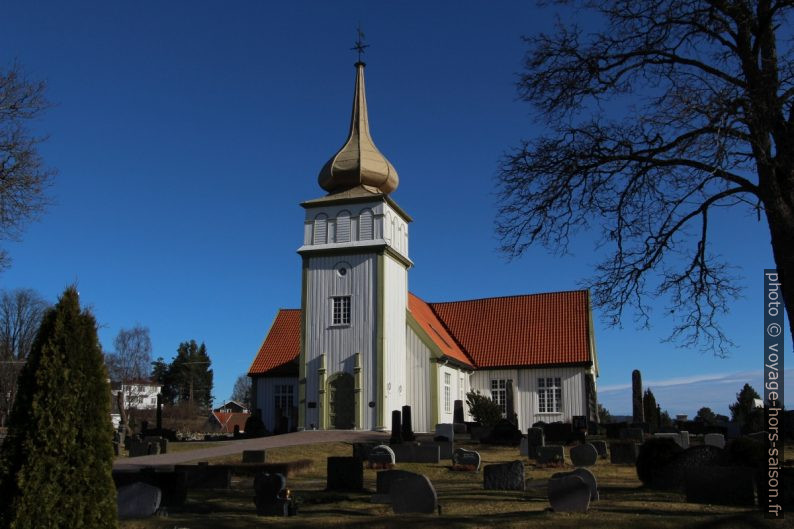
(302, 357)
(434, 390)
(380, 394)
(322, 413)
(357, 391)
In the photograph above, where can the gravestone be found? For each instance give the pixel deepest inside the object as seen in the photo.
(271, 495)
(466, 460)
(407, 425)
(523, 447)
(720, 485)
(504, 476)
(396, 428)
(684, 443)
(551, 455)
(362, 450)
(584, 455)
(445, 449)
(587, 476)
(384, 479)
(253, 456)
(558, 433)
(535, 437)
(138, 500)
(344, 473)
(445, 430)
(623, 452)
(637, 411)
(693, 458)
(714, 439)
(457, 413)
(632, 434)
(601, 448)
(569, 494)
(381, 457)
(417, 453)
(413, 494)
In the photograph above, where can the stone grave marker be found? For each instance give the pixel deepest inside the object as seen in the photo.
(445, 449)
(381, 456)
(674, 436)
(504, 476)
(601, 448)
(558, 432)
(396, 428)
(587, 476)
(271, 495)
(417, 453)
(407, 425)
(466, 460)
(684, 443)
(569, 494)
(138, 500)
(714, 439)
(413, 494)
(523, 447)
(584, 455)
(632, 434)
(384, 480)
(720, 485)
(344, 473)
(504, 432)
(551, 454)
(253, 456)
(457, 413)
(445, 430)
(623, 452)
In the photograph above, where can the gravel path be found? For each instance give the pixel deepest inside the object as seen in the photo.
(225, 448)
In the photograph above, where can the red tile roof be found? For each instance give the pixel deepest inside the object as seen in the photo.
(530, 330)
(229, 420)
(536, 329)
(430, 323)
(281, 345)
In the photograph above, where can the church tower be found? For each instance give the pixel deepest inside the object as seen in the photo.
(352, 365)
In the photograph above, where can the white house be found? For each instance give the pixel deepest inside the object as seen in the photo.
(138, 394)
(362, 345)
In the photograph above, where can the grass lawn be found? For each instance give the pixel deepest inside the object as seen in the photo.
(623, 504)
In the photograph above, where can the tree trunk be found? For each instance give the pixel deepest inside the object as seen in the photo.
(780, 217)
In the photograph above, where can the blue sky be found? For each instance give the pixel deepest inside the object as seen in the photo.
(185, 134)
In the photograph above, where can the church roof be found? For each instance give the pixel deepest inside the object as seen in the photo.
(282, 344)
(530, 330)
(517, 331)
(436, 330)
(359, 162)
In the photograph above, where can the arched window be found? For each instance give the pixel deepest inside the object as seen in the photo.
(320, 229)
(365, 225)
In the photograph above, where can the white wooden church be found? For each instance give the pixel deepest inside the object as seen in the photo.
(362, 345)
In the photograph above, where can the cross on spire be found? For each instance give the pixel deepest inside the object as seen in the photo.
(359, 45)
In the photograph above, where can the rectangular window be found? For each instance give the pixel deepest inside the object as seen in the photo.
(283, 396)
(340, 310)
(461, 385)
(549, 395)
(499, 393)
(447, 392)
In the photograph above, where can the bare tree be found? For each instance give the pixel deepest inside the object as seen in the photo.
(673, 109)
(23, 177)
(132, 357)
(242, 391)
(21, 312)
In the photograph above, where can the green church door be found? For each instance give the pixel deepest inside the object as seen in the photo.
(341, 402)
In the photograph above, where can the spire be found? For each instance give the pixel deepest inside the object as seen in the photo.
(359, 162)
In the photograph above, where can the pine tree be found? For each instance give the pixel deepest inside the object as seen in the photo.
(744, 412)
(650, 410)
(56, 462)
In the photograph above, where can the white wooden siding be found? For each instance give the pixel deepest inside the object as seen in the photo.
(265, 395)
(417, 382)
(365, 224)
(343, 226)
(394, 305)
(525, 396)
(455, 376)
(341, 343)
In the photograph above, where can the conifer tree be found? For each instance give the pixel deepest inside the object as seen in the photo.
(56, 462)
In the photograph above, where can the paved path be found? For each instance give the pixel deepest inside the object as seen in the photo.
(225, 448)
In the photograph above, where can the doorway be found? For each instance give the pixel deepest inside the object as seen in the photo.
(341, 402)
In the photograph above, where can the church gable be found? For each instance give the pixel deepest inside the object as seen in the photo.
(278, 355)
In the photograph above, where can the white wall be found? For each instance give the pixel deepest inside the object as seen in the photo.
(395, 291)
(457, 387)
(417, 360)
(265, 398)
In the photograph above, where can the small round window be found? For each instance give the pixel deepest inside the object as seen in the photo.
(342, 271)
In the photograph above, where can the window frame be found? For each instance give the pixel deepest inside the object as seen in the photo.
(499, 393)
(447, 392)
(549, 395)
(341, 314)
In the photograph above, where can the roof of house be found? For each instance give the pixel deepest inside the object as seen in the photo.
(281, 345)
(529, 330)
(229, 420)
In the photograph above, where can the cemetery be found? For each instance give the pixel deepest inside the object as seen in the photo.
(634, 480)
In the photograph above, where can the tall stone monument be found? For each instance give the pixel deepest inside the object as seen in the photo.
(636, 397)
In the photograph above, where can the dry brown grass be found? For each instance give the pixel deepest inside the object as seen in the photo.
(624, 502)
